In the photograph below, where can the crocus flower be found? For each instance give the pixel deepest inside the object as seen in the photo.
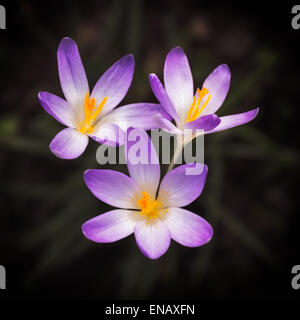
(92, 114)
(154, 216)
(194, 110)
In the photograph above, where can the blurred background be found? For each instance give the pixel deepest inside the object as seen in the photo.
(250, 195)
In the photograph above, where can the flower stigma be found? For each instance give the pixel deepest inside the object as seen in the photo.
(195, 111)
(150, 209)
(90, 114)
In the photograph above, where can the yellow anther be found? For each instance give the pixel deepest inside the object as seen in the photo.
(90, 114)
(151, 209)
(98, 110)
(194, 111)
(191, 109)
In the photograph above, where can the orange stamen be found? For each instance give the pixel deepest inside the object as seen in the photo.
(194, 111)
(150, 209)
(90, 114)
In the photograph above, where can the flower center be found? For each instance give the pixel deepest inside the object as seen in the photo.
(90, 114)
(195, 110)
(150, 209)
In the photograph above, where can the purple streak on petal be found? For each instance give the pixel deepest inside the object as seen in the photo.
(205, 123)
(108, 134)
(217, 83)
(146, 172)
(178, 81)
(71, 72)
(234, 120)
(57, 107)
(110, 226)
(114, 84)
(69, 144)
(162, 96)
(153, 239)
(187, 228)
(112, 187)
(178, 189)
(137, 115)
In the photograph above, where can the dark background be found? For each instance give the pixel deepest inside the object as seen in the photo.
(251, 191)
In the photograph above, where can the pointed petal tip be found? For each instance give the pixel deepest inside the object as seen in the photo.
(251, 114)
(255, 112)
(66, 41)
(150, 257)
(235, 120)
(205, 167)
(152, 76)
(83, 227)
(129, 59)
(224, 65)
(87, 171)
(129, 56)
(222, 71)
(41, 95)
(224, 68)
(176, 50)
(211, 233)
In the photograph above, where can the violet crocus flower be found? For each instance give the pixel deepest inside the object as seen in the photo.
(194, 110)
(154, 217)
(92, 114)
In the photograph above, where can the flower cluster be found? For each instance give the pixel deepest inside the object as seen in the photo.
(149, 208)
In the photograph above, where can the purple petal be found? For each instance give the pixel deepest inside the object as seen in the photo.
(110, 226)
(205, 123)
(137, 115)
(71, 72)
(142, 161)
(234, 120)
(114, 83)
(108, 134)
(162, 96)
(112, 187)
(153, 239)
(179, 81)
(166, 125)
(188, 228)
(69, 144)
(217, 83)
(178, 188)
(58, 108)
